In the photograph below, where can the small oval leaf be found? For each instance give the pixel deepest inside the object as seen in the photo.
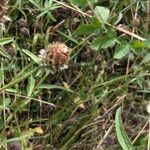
(122, 51)
(102, 13)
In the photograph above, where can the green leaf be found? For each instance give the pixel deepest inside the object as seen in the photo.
(88, 29)
(103, 42)
(50, 86)
(20, 138)
(42, 13)
(138, 44)
(31, 85)
(121, 134)
(94, 1)
(141, 44)
(1, 122)
(108, 43)
(4, 41)
(82, 3)
(6, 104)
(146, 59)
(102, 13)
(35, 3)
(1, 75)
(122, 51)
(147, 43)
(21, 76)
(32, 56)
(69, 37)
(4, 53)
(51, 16)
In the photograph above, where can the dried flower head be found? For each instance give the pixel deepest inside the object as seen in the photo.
(57, 55)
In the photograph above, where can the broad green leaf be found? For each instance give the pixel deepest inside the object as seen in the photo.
(103, 42)
(102, 13)
(31, 85)
(4, 53)
(4, 41)
(147, 43)
(146, 59)
(32, 56)
(88, 29)
(108, 43)
(121, 134)
(122, 51)
(49, 86)
(82, 3)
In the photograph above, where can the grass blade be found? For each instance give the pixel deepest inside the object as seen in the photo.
(32, 56)
(121, 134)
(4, 41)
(50, 86)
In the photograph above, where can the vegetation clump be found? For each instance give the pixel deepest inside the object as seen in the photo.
(74, 74)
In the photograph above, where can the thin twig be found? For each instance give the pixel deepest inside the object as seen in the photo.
(133, 31)
(104, 137)
(129, 33)
(140, 132)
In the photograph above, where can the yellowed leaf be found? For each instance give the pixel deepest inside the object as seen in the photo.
(38, 130)
(66, 85)
(78, 102)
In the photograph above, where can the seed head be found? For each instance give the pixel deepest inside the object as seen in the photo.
(58, 54)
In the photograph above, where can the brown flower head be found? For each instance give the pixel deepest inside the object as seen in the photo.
(58, 55)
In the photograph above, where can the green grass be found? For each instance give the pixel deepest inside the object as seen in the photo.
(75, 108)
